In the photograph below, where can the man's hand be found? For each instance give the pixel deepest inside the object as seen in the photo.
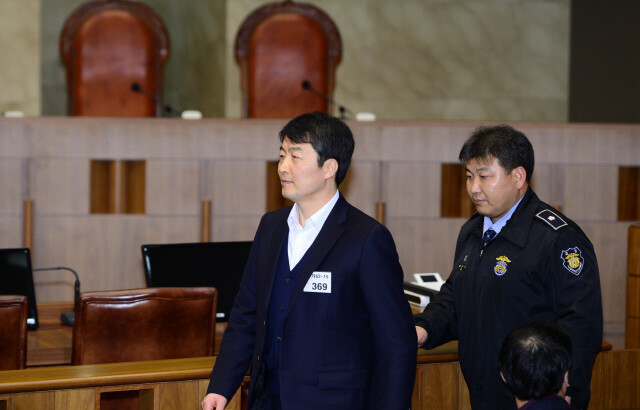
(422, 335)
(214, 401)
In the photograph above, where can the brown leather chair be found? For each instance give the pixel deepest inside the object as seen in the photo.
(279, 46)
(107, 47)
(13, 332)
(144, 324)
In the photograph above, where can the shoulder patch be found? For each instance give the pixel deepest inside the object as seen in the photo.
(551, 218)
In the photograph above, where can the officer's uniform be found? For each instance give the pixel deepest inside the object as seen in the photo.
(541, 266)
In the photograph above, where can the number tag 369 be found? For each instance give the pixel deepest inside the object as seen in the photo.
(319, 282)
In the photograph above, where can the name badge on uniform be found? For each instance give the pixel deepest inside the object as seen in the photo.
(319, 282)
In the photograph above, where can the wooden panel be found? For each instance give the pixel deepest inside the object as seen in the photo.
(621, 382)
(274, 198)
(34, 401)
(417, 395)
(6, 402)
(454, 199)
(202, 388)
(632, 340)
(597, 381)
(440, 386)
(72, 377)
(103, 187)
(633, 296)
(179, 395)
(75, 399)
(464, 402)
(633, 250)
(628, 193)
(132, 187)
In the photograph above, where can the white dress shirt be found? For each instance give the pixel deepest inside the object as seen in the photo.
(301, 238)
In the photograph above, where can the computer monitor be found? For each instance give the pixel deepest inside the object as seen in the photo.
(216, 264)
(16, 278)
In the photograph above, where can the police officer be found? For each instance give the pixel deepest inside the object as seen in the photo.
(517, 260)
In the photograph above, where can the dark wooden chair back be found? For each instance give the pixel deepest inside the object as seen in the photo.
(107, 47)
(13, 332)
(279, 46)
(144, 324)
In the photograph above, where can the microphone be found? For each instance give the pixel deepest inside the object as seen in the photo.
(341, 108)
(68, 318)
(135, 87)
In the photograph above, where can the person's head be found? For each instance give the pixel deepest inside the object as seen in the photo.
(499, 163)
(535, 360)
(316, 149)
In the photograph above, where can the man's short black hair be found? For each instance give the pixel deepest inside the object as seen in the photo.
(534, 359)
(509, 146)
(329, 136)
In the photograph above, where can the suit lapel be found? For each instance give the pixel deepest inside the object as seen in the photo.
(280, 231)
(329, 234)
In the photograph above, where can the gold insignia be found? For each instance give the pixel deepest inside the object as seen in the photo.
(573, 259)
(501, 265)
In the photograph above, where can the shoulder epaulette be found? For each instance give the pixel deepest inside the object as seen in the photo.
(551, 218)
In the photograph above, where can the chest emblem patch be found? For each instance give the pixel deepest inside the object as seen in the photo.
(501, 265)
(572, 260)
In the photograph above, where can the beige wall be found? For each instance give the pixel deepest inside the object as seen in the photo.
(410, 59)
(224, 161)
(20, 55)
(432, 59)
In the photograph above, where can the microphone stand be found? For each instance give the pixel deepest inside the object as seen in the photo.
(68, 318)
(135, 87)
(341, 108)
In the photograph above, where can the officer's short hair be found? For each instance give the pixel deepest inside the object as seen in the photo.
(329, 136)
(509, 146)
(534, 359)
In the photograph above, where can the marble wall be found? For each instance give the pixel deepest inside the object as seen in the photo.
(480, 60)
(19, 56)
(433, 59)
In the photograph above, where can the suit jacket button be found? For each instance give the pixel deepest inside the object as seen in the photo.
(279, 339)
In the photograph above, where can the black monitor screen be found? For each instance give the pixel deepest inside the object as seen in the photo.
(16, 278)
(216, 264)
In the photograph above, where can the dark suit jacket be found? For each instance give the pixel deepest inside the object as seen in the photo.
(354, 348)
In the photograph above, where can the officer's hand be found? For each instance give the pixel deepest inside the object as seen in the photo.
(214, 401)
(422, 335)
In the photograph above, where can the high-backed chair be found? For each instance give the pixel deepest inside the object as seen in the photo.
(144, 324)
(114, 52)
(13, 332)
(278, 47)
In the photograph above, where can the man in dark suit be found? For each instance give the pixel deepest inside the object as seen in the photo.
(321, 315)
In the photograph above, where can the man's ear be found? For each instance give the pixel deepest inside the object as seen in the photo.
(330, 168)
(520, 176)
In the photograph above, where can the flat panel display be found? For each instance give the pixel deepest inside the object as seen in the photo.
(16, 278)
(216, 264)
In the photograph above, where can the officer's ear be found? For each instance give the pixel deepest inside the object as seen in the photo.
(519, 175)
